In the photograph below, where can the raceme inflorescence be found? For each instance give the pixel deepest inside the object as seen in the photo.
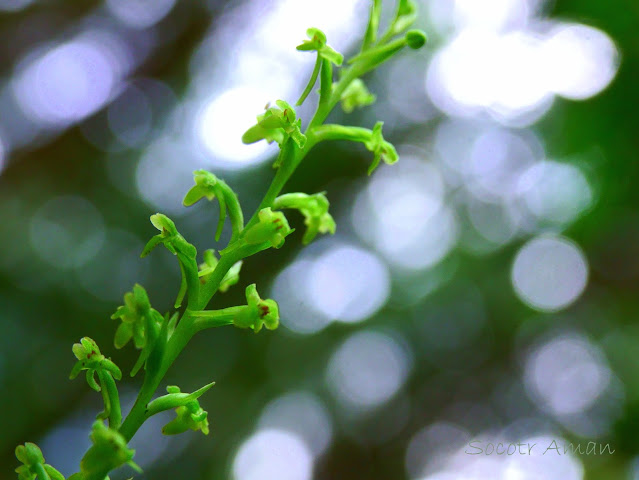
(161, 337)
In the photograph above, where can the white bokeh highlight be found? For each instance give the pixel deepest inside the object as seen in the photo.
(140, 13)
(555, 192)
(367, 370)
(348, 284)
(402, 214)
(503, 61)
(549, 273)
(64, 83)
(223, 121)
(303, 414)
(566, 375)
(275, 454)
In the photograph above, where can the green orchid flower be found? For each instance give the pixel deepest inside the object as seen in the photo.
(208, 267)
(382, 150)
(210, 187)
(91, 360)
(189, 416)
(277, 124)
(33, 464)
(109, 451)
(356, 95)
(185, 252)
(314, 208)
(257, 313)
(271, 229)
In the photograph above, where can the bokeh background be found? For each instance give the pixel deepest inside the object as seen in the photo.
(485, 287)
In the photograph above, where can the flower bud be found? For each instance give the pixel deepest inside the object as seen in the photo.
(415, 39)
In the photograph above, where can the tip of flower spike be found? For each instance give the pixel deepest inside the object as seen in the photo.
(416, 39)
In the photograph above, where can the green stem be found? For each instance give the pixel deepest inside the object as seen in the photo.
(41, 473)
(288, 163)
(326, 81)
(110, 394)
(191, 275)
(235, 211)
(213, 281)
(341, 132)
(311, 82)
(137, 415)
(215, 318)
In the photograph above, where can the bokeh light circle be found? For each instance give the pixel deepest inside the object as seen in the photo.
(549, 273)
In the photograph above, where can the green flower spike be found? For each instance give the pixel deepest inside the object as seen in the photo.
(190, 416)
(177, 245)
(210, 262)
(271, 228)
(210, 187)
(140, 322)
(356, 95)
(257, 312)
(91, 360)
(315, 211)
(326, 56)
(381, 149)
(109, 451)
(34, 467)
(277, 124)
